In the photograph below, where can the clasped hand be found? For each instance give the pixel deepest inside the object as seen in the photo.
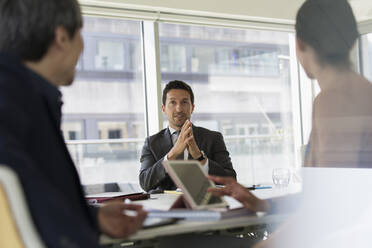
(185, 140)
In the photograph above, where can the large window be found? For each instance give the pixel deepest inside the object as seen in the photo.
(242, 86)
(104, 108)
(367, 55)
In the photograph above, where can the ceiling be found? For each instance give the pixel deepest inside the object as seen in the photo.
(280, 10)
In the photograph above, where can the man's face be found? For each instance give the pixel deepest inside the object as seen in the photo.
(72, 56)
(178, 107)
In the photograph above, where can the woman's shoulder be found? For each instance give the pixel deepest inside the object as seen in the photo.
(353, 97)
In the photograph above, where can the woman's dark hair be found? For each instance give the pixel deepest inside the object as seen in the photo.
(28, 26)
(329, 27)
(178, 85)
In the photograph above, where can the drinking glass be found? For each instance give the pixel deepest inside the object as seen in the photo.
(281, 177)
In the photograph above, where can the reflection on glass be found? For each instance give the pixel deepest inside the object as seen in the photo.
(110, 55)
(241, 82)
(72, 130)
(173, 58)
(103, 110)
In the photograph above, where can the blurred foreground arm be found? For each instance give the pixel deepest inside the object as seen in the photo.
(239, 192)
(114, 222)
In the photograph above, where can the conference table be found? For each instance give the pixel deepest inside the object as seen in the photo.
(260, 223)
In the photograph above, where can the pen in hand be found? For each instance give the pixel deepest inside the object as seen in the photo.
(258, 186)
(129, 212)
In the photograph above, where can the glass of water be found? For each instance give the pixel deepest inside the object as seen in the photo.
(281, 177)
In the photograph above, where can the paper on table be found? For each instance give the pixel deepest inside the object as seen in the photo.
(199, 215)
(232, 202)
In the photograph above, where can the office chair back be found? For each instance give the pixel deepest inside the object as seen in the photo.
(16, 226)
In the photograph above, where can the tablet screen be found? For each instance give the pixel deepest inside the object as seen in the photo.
(195, 181)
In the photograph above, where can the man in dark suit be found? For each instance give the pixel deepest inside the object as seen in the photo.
(181, 140)
(39, 48)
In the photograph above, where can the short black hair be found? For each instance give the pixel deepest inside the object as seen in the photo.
(328, 26)
(180, 85)
(28, 26)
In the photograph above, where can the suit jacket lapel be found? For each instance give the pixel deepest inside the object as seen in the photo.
(166, 143)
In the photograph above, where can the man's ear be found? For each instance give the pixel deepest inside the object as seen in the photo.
(301, 45)
(163, 108)
(192, 109)
(61, 38)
